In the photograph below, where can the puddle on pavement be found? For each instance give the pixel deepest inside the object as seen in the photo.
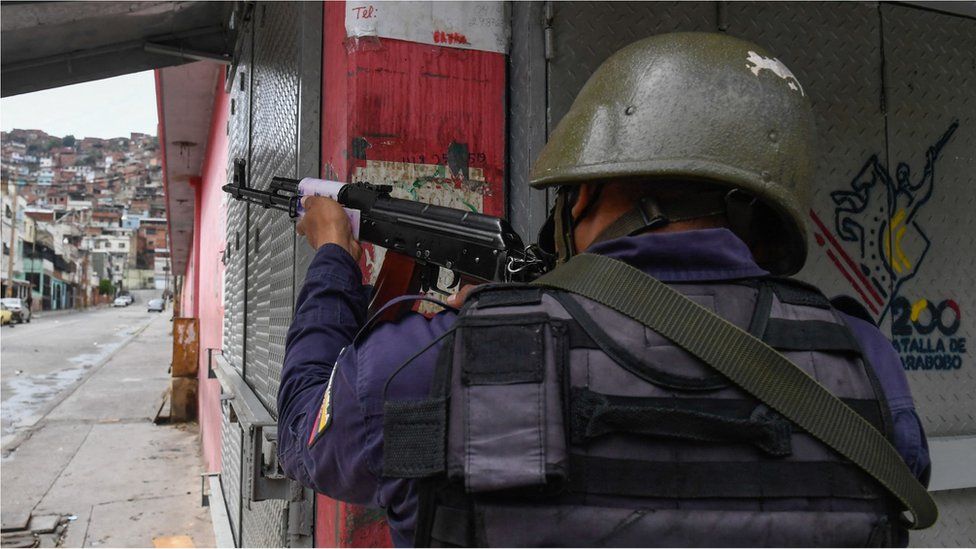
(102, 350)
(29, 394)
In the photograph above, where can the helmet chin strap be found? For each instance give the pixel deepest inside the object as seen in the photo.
(564, 224)
(562, 216)
(648, 214)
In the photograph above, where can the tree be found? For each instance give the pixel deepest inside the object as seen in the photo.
(105, 287)
(68, 141)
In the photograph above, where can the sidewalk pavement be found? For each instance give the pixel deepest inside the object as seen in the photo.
(98, 460)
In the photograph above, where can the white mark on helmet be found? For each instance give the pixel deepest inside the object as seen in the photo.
(758, 63)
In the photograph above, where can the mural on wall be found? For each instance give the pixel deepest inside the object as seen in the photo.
(423, 182)
(450, 176)
(876, 216)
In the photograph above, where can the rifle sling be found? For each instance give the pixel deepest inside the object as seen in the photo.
(752, 365)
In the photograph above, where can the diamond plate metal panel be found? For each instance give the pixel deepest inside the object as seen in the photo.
(263, 523)
(834, 49)
(957, 521)
(527, 207)
(586, 33)
(309, 116)
(231, 438)
(266, 524)
(930, 75)
(235, 255)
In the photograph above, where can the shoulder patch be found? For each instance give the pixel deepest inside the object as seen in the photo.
(324, 418)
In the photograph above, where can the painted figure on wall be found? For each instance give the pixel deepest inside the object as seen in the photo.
(879, 215)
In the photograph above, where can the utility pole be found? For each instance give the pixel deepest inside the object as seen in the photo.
(13, 241)
(84, 282)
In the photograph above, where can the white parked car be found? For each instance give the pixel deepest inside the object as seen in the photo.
(17, 308)
(155, 305)
(120, 302)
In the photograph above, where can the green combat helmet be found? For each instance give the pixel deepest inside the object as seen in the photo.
(694, 107)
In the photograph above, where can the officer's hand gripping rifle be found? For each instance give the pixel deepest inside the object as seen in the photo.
(420, 238)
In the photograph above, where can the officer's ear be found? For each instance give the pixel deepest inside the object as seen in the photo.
(584, 200)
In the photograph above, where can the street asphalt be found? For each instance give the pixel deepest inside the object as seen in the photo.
(44, 360)
(79, 395)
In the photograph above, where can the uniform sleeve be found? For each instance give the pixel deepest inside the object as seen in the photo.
(330, 421)
(909, 436)
(405, 354)
(330, 309)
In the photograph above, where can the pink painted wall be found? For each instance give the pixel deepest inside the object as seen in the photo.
(204, 293)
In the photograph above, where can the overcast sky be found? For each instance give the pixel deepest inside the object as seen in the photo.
(104, 108)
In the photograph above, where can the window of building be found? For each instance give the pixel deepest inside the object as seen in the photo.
(120, 245)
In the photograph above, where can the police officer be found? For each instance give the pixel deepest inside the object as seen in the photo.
(533, 416)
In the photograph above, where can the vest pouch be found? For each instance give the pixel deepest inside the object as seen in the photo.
(506, 407)
(581, 525)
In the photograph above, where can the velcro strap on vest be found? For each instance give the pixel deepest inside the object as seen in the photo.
(594, 415)
(414, 436)
(809, 335)
(717, 479)
(867, 408)
(505, 296)
(795, 292)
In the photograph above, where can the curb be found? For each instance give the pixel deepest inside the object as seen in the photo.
(64, 312)
(20, 437)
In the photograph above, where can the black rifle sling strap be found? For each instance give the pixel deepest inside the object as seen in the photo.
(749, 363)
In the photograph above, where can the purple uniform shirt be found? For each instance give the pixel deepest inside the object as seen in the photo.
(335, 445)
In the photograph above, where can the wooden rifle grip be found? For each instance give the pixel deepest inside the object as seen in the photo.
(399, 275)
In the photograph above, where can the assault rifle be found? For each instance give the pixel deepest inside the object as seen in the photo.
(420, 238)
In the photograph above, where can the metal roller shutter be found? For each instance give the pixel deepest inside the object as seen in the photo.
(231, 439)
(274, 136)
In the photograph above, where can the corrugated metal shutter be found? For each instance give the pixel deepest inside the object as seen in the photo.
(231, 439)
(235, 256)
(235, 276)
(274, 151)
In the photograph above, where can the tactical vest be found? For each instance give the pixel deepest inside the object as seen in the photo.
(555, 421)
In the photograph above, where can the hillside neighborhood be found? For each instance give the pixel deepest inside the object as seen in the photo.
(84, 219)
